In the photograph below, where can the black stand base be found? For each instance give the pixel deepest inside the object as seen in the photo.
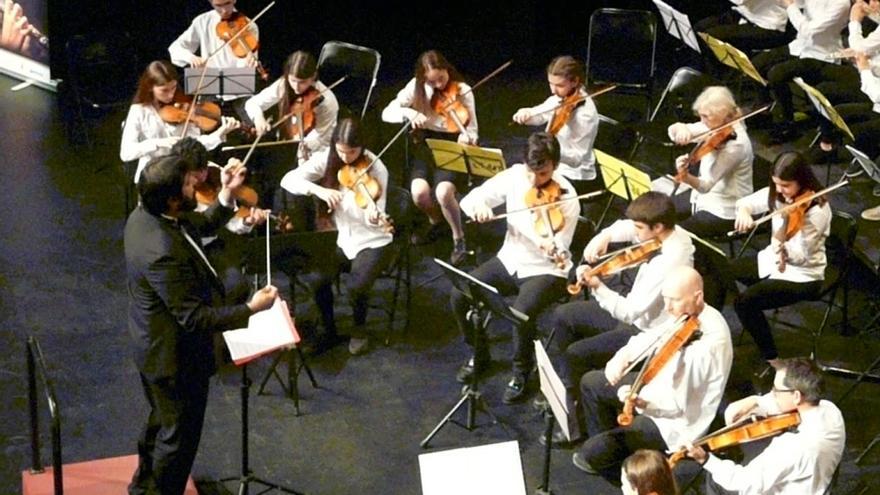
(246, 478)
(296, 362)
(475, 401)
(544, 489)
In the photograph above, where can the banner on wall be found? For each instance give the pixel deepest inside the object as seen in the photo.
(24, 41)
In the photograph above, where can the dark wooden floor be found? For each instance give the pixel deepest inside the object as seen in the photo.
(62, 280)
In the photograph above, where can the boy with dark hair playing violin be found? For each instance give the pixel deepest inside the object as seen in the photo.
(801, 461)
(363, 242)
(571, 116)
(531, 264)
(202, 36)
(677, 392)
(587, 333)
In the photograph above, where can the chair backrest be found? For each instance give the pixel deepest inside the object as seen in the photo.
(102, 70)
(839, 245)
(621, 47)
(359, 64)
(682, 89)
(398, 205)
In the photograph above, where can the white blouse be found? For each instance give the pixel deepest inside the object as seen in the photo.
(400, 108)
(819, 24)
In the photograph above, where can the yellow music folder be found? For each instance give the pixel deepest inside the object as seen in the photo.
(450, 155)
(824, 107)
(621, 178)
(731, 56)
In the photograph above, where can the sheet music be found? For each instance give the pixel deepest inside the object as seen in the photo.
(678, 25)
(495, 468)
(552, 388)
(267, 331)
(867, 164)
(824, 107)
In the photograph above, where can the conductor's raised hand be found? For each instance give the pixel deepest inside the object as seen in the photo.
(263, 299)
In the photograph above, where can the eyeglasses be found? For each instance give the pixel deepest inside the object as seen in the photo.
(782, 390)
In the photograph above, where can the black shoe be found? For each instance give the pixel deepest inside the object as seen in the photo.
(472, 368)
(516, 389)
(428, 233)
(460, 253)
(579, 462)
(559, 441)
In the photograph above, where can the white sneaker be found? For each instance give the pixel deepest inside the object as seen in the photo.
(872, 213)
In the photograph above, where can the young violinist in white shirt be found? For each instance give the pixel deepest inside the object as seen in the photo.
(440, 105)
(532, 264)
(145, 134)
(201, 39)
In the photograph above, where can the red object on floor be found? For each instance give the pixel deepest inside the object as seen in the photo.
(99, 477)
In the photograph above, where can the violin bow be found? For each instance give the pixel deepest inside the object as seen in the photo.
(291, 114)
(479, 83)
(546, 205)
(205, 67)
(579, 99)
(651, 347)
(704, 135)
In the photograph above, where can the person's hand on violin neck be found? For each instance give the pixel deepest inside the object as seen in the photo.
(697, 453)
(589, 281)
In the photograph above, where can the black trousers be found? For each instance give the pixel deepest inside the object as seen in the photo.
(533, 295)
(363, 271)
(747, 37)
(864, 123)
(170, 438)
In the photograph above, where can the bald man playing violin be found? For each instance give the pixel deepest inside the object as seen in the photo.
(801, 461)
(678, 404)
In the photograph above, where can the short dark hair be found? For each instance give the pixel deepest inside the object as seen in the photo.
(543, 146)
(160, 181)
(803, 375)
(193, 152)
(652, 208)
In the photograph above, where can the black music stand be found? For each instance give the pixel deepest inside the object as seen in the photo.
(310, 248)
(230, 81)
(554, 410)
(247, 477)
(485, 301)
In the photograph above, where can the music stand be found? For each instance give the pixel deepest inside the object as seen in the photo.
(731, 56)
(484, 301)
(557, 400)
(466, 159)
(230, 81)
(678, 25)
(824, 107)
(621, 179)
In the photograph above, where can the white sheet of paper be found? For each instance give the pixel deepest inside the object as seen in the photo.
(482, 470)
(552, 388)
(671, 17)
(267, 331)
(665, 185)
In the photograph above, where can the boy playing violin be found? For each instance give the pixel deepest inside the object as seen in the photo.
(802, 461)
(525, 264)
(201, 36)
(681, 399)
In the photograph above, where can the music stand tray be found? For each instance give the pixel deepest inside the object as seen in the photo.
(466, 159)
(234, 81)
(732, 56)
(485, 301)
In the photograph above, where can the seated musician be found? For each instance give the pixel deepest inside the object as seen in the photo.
(149, 131)
(725, 171)
(750, 25)
(588, 333)
(800, 461)
(531, 265)
(363, 243)
(791, 268)
(678, 404)
(424, 102)
(576, 134)
(646, 472)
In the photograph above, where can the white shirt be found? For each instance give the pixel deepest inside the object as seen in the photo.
(521, 254)
(144, 127)
(725, 174)
(683, 397)
(325, 112)
(806, 248)
(871, 87)
(819, 27)
(201, 36)
(356, 233)
(643, 306)
(576, 136)
(400, 108)
(767, 14)
(799, 462)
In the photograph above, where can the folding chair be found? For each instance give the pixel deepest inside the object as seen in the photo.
(359, 64)
(621, 50)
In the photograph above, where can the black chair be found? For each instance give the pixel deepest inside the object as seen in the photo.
(621, 49)
(102, 75)
(359, 65)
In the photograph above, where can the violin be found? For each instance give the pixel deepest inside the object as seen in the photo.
(617, 261)
(356, 177)
(686, 333)
(710, 144)
(302, 113)
(206, 116)
(748, 430)
(563, 112)
(447, 104)
(548, 216)
(207, 192)
(243, 44)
